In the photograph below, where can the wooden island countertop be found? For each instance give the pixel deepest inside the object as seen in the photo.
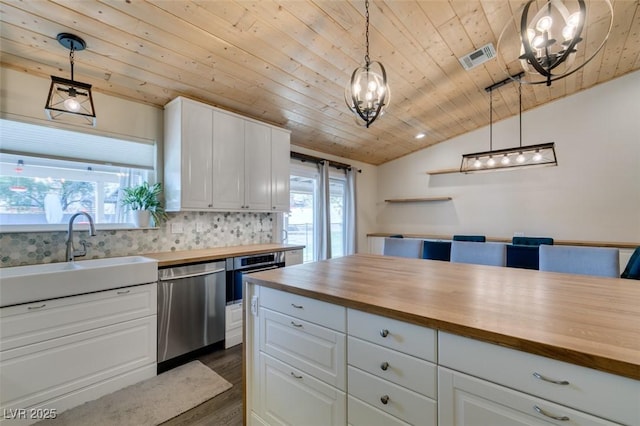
(178, 257)
(584, 320)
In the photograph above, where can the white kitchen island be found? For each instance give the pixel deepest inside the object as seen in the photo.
(366, 340)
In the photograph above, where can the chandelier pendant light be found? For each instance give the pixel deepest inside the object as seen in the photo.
(367, 94)
(519, 157)
(70, 100)
(549, 35)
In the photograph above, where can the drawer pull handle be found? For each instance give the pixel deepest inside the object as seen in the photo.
(123, 292)
(551, 416)
(384, 366)
(384, 399)
(384, 332)
(296, 324)
(295, 375)
(296, 306)
(546, 379)
(37, 307)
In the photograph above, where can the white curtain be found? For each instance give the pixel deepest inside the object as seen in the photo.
(127, 179)
(323, 219)
(350, 212)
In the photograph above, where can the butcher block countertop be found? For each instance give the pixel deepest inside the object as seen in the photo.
(584, 320)
(171, 258)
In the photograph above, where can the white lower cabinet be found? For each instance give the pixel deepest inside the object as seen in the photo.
(290, 396)
(469, 401)
(233, 325)
(363, 414)
(298, 372)
(59, 353)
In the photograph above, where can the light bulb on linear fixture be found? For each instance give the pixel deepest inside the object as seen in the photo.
(505, 160)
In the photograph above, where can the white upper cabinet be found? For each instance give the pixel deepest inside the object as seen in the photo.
(228, 161)
(280, 170)
(217, 160)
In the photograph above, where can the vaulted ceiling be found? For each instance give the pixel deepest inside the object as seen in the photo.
(287, 62)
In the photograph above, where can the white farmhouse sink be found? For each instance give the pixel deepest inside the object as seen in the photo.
(25, 284)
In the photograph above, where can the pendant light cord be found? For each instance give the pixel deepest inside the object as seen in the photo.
(491, 120)
(366, 57)
(71, 60)
(520, 98)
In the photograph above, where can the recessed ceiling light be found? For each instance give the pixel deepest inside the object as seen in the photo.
(421, 135)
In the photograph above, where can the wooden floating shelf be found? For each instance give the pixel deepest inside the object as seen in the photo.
(417, 200)
(443, 171)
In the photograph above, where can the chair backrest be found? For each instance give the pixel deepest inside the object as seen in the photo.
(632, 271)
(523, 256)
(474, 238)
(600, 261)
(478, 253)
(402, 247)
(531, 241)
(436, 250)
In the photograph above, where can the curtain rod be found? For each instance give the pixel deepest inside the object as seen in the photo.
(312, 159)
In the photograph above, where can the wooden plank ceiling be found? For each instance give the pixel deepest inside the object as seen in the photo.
(287, 62)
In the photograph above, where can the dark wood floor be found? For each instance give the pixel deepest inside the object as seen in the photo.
(226, 408)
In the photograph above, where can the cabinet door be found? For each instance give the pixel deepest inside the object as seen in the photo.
(292, 397)
(257, 150)
(280, 173)
(197, 137)
(467, 401)
(228, 161)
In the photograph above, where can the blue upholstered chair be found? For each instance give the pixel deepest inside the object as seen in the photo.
(600, 261)
(531, 241)
(632, 271)
(402, 247)
(523, 256)
(436, 250)
(474, 238)
(478, 253)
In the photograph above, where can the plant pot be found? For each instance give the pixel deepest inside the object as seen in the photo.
(141, 218)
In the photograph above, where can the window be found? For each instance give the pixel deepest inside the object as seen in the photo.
(47, 174)
(300, 221)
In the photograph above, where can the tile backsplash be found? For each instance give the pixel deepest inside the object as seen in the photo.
(199, 230)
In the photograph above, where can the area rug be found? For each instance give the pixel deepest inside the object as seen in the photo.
(149, 402)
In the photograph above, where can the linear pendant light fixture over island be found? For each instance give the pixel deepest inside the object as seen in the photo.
(528, 156)
(367, 93)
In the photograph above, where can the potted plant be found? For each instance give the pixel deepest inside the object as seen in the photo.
(144, 201)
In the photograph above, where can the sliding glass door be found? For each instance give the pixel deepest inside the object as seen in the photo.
(300, 224)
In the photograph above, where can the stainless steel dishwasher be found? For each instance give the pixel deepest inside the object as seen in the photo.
(191, 308)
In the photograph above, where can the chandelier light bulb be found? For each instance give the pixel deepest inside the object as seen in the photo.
(372, 86)
(568, 32)
(505, 160)
(477, 164)
(491, 162)
(72, 104)
(520, 158)
(538, 42)
(574, 19)
(544, 23)
(537, 156)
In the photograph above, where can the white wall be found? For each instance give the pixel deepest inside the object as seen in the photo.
(593, 194)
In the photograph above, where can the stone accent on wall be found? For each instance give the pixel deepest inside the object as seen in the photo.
(200, 230)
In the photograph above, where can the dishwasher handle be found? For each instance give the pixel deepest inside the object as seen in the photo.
(170, 277)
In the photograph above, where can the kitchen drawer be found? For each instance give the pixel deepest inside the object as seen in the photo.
(402, 403)
(323, 313)
(361, 414)
(398, 335)
(318, 351)
(36, 373)
(404, 370)
(469, 401)
(233, 325)
(602, 394)
(289, 396)
(35, 322)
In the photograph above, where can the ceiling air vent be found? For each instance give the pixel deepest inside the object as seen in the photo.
(478, 57)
